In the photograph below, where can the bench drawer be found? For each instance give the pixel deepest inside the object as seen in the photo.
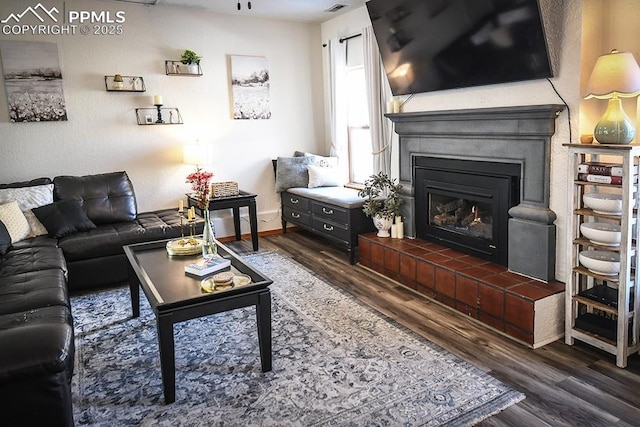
(337, 231)
(296, 216)
(329, 212)
(296, 202)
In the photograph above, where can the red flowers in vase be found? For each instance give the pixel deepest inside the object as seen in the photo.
(199, 181)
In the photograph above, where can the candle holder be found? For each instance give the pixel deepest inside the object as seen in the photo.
(182, 240)
(192, 226)
(159, 113)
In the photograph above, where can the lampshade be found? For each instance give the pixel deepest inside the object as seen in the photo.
(615, 74)
(196, 154)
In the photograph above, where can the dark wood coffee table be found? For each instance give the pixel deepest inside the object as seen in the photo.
(175, 297)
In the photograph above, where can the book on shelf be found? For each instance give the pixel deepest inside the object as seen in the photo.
(606, 169)
(600, 179)
(205, 267)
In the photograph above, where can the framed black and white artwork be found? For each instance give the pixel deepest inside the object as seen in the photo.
(250, 87)
(33, 81)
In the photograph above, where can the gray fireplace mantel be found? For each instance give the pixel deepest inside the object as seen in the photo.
(520, 135)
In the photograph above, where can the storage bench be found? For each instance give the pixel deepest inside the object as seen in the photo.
(331, 212)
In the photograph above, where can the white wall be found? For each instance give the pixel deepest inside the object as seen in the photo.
(102, 135)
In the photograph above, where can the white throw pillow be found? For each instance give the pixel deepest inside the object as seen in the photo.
(15, 221)
(29, 198)
(321, 176)
(324, 161)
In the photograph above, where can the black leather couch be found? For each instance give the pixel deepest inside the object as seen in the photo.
(36, 275)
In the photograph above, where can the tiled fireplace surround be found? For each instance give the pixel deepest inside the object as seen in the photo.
(523, 301)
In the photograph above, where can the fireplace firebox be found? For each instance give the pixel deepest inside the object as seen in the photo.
(464, 204)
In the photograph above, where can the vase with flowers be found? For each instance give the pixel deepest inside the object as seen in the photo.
(199, 181)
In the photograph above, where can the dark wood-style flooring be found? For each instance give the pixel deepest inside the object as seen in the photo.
(564, 385)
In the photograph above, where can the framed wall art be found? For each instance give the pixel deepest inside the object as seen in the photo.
(33, 81)
(250, 87)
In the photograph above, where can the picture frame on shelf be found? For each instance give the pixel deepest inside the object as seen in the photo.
(126, 83)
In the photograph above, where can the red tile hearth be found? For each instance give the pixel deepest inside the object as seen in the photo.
(485, 291)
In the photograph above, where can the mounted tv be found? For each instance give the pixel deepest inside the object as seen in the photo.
(432, 45)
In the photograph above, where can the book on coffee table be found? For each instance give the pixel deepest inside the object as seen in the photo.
(204, 267)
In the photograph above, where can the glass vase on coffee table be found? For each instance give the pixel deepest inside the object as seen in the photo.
(209, 244)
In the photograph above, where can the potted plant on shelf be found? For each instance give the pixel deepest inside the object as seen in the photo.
(191, 60)
(383, 201)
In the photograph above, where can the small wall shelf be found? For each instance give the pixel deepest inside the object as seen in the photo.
(161, 116)
(129, 84)
(177, 68)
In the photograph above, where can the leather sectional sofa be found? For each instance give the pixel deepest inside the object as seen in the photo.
(37, 274)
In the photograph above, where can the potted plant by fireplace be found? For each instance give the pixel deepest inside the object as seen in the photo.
(383, 201)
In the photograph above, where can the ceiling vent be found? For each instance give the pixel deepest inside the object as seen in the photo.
(336, 7)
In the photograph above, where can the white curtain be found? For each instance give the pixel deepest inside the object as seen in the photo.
(335, 61)
(378, 93)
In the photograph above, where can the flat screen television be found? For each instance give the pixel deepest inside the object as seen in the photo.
(432, 45)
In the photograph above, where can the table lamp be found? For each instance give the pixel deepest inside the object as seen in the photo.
(197, 154)
(616, 75)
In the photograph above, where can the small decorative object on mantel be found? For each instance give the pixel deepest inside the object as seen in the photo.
(383, 201)
(120, 83)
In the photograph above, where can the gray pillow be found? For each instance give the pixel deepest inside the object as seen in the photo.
(292, 172)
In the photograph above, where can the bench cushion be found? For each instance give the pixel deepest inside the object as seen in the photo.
(340, 196)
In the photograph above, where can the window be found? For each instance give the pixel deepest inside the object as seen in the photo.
(359, 134)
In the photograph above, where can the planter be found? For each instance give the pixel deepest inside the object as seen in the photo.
(383, 225)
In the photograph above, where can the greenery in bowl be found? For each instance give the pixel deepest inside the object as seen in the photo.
(189, 57)
(382, 194)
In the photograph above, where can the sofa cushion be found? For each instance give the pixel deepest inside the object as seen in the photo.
(108, 239)
(292, 172)
(64, 217)
(18, 261)
(41, 342)
(33, 289)
(5, 239)
(340, 196)
(15, 221)
(31, 183)
(108, 198)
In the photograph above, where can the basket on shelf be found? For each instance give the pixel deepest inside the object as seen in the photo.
(223, 189)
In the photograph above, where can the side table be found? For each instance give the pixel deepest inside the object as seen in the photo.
(244, 198)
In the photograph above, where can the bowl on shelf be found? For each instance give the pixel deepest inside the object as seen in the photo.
(601, 233)
(600, 262)
(604, 203)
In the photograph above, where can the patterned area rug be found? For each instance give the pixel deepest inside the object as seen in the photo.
(335, 363)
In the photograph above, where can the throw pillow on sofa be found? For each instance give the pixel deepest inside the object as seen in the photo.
(28, 198)
(323, 161)
(64, 217)
(5, 239)
(13, 218)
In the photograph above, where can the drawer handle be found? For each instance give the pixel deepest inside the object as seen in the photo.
(295, 215)
(327, 227)
(327, 211)
(295, 201)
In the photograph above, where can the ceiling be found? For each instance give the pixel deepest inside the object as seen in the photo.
(290, 10)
